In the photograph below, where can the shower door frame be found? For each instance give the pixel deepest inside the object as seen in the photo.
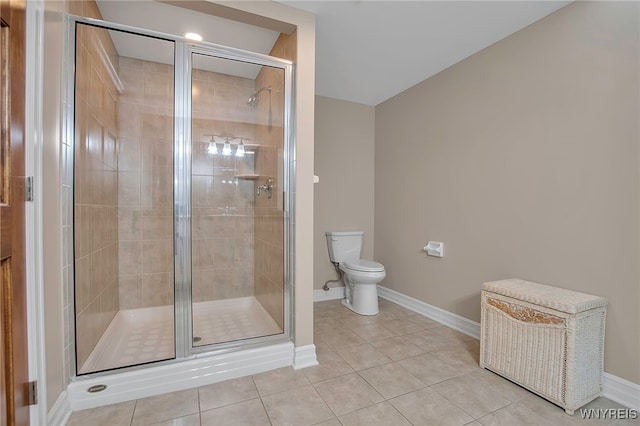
(182, 156)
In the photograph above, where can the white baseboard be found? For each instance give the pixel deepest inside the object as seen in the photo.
(613, 387)
(334, 293)
(621, 391)
(199, 371)
(305, 356)
(462, 324)
(60, 412)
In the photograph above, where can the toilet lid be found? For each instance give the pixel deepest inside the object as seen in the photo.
(364, 266)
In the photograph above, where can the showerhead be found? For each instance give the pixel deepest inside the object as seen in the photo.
(252, 102)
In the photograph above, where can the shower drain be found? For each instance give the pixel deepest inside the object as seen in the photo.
(196, 339)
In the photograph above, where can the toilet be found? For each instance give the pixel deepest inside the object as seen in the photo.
(360, 276)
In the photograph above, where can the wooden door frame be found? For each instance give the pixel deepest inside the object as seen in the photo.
(16, 376)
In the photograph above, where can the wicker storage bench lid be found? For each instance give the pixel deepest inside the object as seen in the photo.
(556, 298)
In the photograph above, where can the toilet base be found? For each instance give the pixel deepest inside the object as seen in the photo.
(370, 308)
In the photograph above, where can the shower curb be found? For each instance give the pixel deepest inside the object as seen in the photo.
(199, 371)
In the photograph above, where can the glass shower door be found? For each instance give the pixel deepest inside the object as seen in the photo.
(123, 199)
(237, 205)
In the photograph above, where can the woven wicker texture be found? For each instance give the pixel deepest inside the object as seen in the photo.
(547, 339)
(556, 298)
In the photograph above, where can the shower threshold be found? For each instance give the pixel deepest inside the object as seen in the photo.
(137, 336)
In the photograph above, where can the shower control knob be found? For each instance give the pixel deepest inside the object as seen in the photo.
(267, 188)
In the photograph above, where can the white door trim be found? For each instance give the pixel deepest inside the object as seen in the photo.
(34, 210)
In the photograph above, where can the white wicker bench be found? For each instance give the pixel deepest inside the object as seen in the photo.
(546, 339)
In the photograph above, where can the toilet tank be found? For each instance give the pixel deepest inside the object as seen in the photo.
(344, 246)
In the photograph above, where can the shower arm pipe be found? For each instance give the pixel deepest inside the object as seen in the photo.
(263, 89)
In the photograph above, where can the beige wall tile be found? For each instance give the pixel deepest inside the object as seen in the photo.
(129, 154)
(157, 289)
(243, 252)
(224, 102)
(244, 226)
(164, 70)
(202, 224)
(130, 257)
(224, 284)
(156, 256)
(224, 226)
(129, 188)
(133, 82)
(157, 187)
(201, 161)
(202, 285)
(244, 282)
(202, 254)
(130, 291)
(223, 252)
(82, 282)
(157, 227)
(129, 120)
(130, 223)
(156, 87)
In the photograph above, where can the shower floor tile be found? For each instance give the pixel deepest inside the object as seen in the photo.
(137, 336)
(234, 319)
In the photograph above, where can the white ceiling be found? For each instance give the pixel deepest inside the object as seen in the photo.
(152, 15)
(369, 51)
(366, 51)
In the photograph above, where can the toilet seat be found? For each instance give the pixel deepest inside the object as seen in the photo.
(363, 265)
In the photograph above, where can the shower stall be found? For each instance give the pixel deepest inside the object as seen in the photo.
(182, 193)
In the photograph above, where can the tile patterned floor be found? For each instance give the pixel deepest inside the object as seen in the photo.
(397, 368)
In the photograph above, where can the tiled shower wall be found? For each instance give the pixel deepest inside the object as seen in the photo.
(222, 203)
(96, 188)
(222, 206)
(145, 190)
(269, 213)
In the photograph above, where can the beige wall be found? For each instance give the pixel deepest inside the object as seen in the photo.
(523, 159)
(344, 161)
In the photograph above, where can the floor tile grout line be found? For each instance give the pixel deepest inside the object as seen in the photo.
(199, 407)
(462, 408)
(396, 396)
(491, 412)
(133, 413)
(399, 412)
(264, 407)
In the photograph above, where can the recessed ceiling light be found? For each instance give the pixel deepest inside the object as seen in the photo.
(193, 36)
